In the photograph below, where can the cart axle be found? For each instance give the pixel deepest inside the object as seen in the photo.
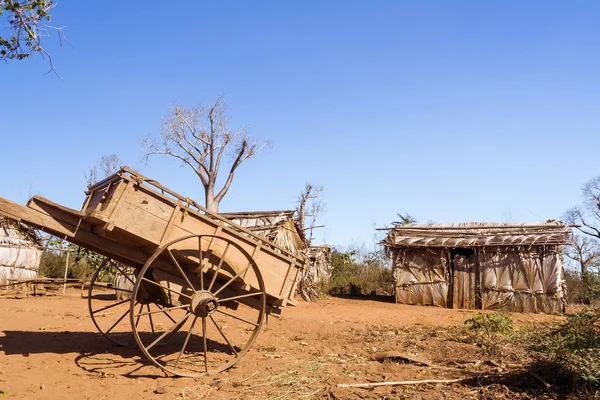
(204, 304)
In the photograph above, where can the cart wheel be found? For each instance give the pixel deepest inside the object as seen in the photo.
(220, 289)
(109, 295)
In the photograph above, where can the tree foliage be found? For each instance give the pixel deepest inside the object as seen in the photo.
(199, 137)
(27, 25)
(404, 219)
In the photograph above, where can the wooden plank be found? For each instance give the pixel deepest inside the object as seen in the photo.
(454, 285)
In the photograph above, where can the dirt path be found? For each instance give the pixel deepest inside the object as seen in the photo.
(49, 348)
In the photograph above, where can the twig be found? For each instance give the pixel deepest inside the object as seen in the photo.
(539, 378)
(398, 383)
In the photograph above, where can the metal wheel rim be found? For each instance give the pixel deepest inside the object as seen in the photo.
(107, 335)
(249, 342)
(116, 338)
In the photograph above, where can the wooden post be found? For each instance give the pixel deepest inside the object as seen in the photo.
(66, 271)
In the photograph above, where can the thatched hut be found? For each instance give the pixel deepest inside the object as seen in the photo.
(20, 251)
(317, 272)
(282, 228)
(278, 227)
(479, 265)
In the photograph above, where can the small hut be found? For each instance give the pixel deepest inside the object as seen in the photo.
(517, 267)
(278, 227)
(317, 272)
(20, 251)
(281, 228)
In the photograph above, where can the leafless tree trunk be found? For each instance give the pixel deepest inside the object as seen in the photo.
(585, 251)
(310, 206)
(198, 137)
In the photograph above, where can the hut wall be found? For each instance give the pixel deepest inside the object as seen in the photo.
(317, 271)
(19, 255)
(522, 280)
(421, 277)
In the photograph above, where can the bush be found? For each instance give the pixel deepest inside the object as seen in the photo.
(582, 289)
(488, 328)
(52, 265)
(353, 278)
(570, 354)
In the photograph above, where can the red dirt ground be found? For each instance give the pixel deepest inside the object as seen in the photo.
(49, 349)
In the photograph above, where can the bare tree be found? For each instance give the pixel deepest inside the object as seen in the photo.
(108, 165)
(585, 252)
(199, 137)
(310, 206)
(586, 217)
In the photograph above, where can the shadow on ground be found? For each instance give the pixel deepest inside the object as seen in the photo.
(94, 353)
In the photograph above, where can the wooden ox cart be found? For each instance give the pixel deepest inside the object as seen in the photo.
(189, 287)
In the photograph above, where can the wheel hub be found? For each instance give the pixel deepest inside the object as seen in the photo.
(204, 304)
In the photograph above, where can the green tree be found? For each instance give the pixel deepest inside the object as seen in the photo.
(27, 25)
(405, 219)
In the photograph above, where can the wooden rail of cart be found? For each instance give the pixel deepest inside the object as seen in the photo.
(195, 286)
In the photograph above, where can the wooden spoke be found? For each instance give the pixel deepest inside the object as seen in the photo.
(166, 288)
(96, 305)
(163, 310)
(181, 271)
(236, 317)
(161, 337)
(166, 313)
(239, 274)
(137, 320)
(116, 323)
(214, 278)
(111, 306)
(222, 334)
(201, 267)
(123, 273)
(242, 296)
(187, 338)
(151, 322)
(204, 339)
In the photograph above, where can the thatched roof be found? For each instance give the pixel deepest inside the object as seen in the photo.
(277, 226)
(16, 233)
(477, 234)
(259, 220)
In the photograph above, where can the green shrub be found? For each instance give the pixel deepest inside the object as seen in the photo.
(571, 352)
(488, 328)
(52, 265)
(582, 289)
(353, 278)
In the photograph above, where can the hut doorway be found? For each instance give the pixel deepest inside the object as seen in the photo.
(463, 273)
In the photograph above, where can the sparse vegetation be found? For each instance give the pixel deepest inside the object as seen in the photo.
(488, 328)
(354, 275)
(582, 289)
(569, 356)
(82, 262)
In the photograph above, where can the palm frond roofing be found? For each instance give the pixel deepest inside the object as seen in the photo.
(477, 234)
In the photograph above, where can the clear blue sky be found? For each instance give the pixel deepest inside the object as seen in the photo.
(451, 111)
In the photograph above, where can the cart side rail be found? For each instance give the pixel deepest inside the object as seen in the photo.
(126, 174)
